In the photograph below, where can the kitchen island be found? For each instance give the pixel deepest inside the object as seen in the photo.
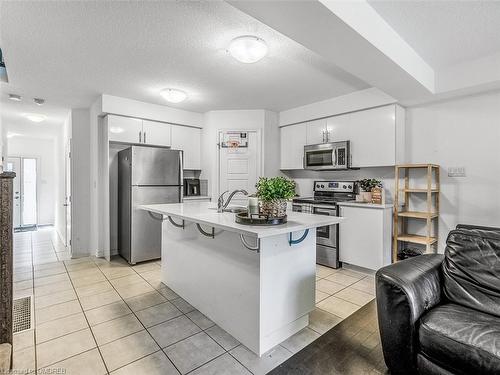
(255, 282)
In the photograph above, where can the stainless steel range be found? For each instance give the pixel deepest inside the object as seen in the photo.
(324, 202)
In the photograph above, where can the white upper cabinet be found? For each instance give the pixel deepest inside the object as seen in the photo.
(124, 129)
(188, 140)
(338, 128)
(316, 132)
(373, 137)
(156, 133)
(293, 140)
(376, 137)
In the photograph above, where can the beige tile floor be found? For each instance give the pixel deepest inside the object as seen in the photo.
(98, 317)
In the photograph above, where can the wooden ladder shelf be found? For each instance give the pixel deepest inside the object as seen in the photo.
(430, 214)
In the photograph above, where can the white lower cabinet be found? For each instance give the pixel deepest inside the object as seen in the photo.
(365, 236)
(293, 140)
(188, 140)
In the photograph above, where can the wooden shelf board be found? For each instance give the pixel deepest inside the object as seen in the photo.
(418, 214)
(418, 190)
(413, 238)
(417, 165)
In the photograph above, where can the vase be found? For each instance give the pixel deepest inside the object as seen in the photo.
(366, 196)
(275, 208)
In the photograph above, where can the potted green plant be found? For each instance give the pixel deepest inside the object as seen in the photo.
(366, 185)
(273, 194)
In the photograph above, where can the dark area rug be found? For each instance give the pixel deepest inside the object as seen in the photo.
(351, 347)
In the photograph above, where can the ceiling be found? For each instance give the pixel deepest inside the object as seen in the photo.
(71, 52)
(445, 33)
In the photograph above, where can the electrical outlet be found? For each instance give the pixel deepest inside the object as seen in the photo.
(456, 172)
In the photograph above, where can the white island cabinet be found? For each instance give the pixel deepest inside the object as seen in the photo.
(255, 282)
(365, 234)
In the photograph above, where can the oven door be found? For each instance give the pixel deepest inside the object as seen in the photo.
(318, 157)
(327, 235)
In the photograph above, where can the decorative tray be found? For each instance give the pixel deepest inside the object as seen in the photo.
(258, 219)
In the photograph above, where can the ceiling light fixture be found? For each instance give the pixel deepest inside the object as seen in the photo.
(248, 48)
(173, 95)
(15, 97)
(12, 135)
(39, 101)
(35, 117)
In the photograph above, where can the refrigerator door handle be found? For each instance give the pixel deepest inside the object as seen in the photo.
(181, 176)
(144, 137)
(140, 136)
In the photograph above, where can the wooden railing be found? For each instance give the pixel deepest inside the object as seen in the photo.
(6, 259)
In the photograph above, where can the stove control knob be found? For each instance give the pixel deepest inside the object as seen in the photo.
(317, 185)
(322, 186)
(350, 186)
(343, 186)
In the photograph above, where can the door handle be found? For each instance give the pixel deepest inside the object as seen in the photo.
(144, 137)
(140, 136)
(65, 205)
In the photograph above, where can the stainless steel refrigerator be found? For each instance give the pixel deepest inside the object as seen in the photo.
(146, 175)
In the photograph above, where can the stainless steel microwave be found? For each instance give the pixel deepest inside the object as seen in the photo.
(327, 156)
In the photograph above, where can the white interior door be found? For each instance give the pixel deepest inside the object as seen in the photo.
(29, 192)
(240, 167)
(14, 165)
(67, 194)
(24, 190)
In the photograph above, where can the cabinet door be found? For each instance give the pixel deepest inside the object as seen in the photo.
(188, 140)
(361, 237)
(293, 140)
(373, 137)
(338, 128)
(156, 133)
(124, 129)
(316, 132)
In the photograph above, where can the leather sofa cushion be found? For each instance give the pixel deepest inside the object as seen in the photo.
(471, 269)
(462, 340)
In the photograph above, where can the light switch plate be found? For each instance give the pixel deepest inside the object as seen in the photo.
(456, 172)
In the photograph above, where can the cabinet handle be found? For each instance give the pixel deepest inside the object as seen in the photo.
(140, 136)
(144, 137)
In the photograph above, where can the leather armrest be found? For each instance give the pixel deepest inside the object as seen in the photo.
(479, 227)
(405, 291)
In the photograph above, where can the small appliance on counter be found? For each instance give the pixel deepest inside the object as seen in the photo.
(191, 187)
(324, 202)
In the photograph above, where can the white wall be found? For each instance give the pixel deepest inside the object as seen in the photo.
(81, 182)
(265, 121)
(460, 133)
(45, 152)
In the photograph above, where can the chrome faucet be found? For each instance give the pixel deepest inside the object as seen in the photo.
(221, 205)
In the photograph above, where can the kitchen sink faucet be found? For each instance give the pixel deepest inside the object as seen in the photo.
(221, 206)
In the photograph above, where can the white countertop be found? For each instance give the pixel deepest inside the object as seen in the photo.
(365, 205)
(195, 197)
(206, 213)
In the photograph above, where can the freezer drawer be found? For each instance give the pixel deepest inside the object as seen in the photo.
(156, 166)
(143, 240)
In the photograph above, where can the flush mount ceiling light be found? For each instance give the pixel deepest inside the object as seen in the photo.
(12, 135)
(15, 97)
(39, 101)
(35, 117)
(173, 95)
(248, 48)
